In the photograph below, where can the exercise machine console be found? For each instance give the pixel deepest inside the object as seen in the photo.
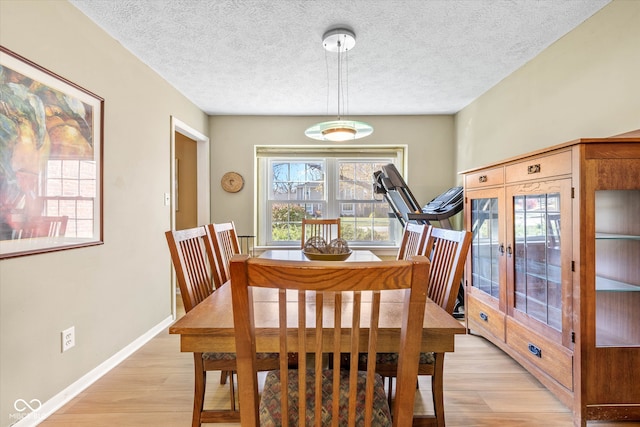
(406, 208)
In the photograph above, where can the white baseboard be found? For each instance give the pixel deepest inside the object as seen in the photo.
(59, 400)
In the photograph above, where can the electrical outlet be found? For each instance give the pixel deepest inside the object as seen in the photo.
(68, 338)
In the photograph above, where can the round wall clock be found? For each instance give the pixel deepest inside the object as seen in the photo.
(232, 182)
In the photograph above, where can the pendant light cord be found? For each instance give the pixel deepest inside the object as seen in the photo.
(339, 77)
(342, 98)
(345, 107)
(326, 64)
(340, 41)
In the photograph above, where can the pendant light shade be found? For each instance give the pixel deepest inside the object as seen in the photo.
(339, 130)
(339, 41)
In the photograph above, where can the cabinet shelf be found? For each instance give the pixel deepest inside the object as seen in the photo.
(607, 339)
(608, 285)
(612, 236)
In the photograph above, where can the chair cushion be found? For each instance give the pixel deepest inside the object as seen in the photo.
(232, 356)
(392, 358)
(270, 412)
(218, 356)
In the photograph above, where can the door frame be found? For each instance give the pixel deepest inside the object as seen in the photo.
(203, 183)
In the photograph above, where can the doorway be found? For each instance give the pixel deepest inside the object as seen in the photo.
(199, 171)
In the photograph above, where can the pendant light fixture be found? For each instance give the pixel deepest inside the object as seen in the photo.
(339, 41)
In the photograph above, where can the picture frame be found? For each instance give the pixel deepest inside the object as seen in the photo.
(51, 150)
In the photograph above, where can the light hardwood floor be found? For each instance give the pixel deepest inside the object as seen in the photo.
(154, 387)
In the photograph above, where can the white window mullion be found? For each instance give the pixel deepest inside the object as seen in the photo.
(332, 189)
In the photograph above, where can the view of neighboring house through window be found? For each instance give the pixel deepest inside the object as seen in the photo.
(70, 190)
(312, 183)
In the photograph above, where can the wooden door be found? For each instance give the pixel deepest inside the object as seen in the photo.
(186, 203)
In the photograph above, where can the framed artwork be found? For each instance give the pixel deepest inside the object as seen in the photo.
(51, 145)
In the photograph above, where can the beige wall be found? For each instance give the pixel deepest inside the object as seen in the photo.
(112, 293)
(585, 85)
(430, 142)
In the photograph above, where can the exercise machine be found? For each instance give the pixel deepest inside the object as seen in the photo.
(406, 208)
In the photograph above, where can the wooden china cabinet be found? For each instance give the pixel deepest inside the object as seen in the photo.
(553, 275)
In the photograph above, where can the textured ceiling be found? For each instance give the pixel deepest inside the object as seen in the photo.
(265, 57)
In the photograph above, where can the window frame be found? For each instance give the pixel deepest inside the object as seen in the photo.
(330, 155)
(71, 191)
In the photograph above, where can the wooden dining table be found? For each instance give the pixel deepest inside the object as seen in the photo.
(208, 327)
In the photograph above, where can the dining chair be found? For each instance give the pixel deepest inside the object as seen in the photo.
(447, 250)
(42, 226)
(195, 264)
(338, 309)
(225, 245)
(328, 229)
(414, 240)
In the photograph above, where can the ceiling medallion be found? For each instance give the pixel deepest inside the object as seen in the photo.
(339, 41)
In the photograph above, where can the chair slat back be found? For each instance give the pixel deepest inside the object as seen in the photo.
(192, 259)
(42, 226)
(225, 245)
(447, 250)
(328, 229)
(414, 240)
(324, 290)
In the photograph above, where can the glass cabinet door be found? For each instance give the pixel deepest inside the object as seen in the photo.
(536, 257)
(486, 246)
(538, 260)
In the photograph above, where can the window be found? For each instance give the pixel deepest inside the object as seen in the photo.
(324, 182)
(70, 190)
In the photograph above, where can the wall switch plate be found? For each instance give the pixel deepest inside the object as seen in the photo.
(68, 338)
(167, 199)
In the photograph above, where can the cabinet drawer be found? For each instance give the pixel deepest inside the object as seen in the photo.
(485, 178)
(539, 167)
(482, 316)
(549, 356)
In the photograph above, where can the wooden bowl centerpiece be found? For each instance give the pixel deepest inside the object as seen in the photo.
(317, 249)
